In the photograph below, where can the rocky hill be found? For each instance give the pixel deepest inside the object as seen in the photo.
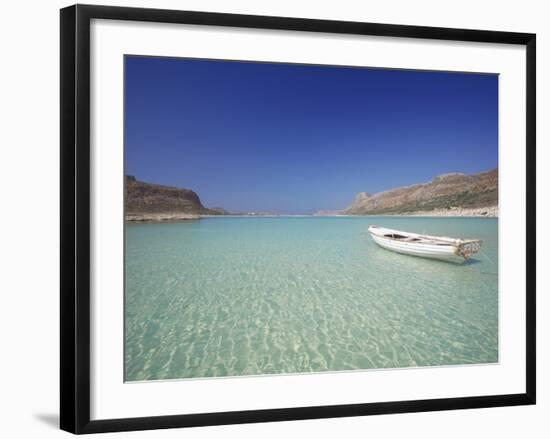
(445, 192)
(153, 202)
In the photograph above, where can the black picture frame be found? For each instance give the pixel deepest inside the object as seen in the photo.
(75, 218)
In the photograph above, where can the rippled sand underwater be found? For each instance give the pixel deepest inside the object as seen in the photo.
(249, 296)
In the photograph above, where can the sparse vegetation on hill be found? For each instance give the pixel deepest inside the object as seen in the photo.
(154, 202)
(451, 192)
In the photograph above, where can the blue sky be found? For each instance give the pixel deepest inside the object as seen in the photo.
(298, 138)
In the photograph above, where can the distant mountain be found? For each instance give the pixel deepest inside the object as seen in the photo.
(447, 191)
(219, 211)
(147, 201)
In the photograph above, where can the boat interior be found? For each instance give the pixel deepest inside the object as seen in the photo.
(415, 239)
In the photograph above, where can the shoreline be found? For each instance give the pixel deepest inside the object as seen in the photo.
(457, 212)
(160, 217)
(453, 212)
(473, 212)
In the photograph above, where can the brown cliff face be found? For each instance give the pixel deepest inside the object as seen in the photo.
(443, 192)
(147, 199)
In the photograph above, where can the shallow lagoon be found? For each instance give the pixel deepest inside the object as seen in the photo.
(228, 296)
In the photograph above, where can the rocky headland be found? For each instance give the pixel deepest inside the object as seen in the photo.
(155, 203)
(453, 194)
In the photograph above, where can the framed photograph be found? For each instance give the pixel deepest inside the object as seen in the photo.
(268, 218)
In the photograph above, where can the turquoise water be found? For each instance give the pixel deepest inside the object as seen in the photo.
(246, 296)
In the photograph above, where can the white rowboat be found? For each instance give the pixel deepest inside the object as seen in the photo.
(436, 247)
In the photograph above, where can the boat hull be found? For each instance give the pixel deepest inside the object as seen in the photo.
(426, 246)
(443, 253)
